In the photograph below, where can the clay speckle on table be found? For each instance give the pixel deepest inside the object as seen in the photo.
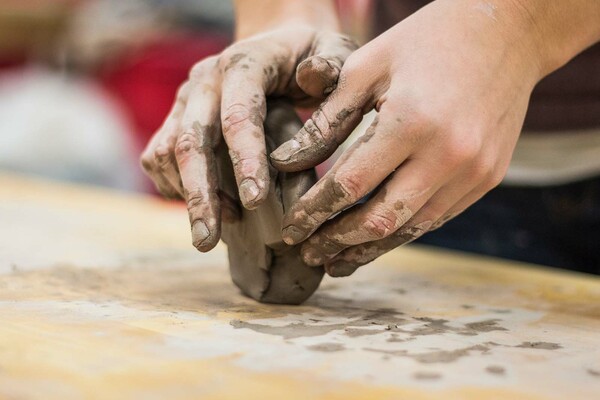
(495, 370)
(327, 347)
(593, 372)
(540, 345)
(438, 356)
(121, 285)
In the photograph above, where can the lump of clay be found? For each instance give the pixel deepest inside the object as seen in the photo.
(261, 264)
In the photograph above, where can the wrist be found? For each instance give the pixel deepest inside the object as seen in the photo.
(554, 32)
(251, 17)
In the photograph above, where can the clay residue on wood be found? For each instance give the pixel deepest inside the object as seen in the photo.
(367, 322)
(327, 347)
(495, 370)
(593, 372)
(437, 356)
(540, 345)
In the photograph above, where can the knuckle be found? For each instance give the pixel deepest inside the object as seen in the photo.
(161, 155)
(236, 117)
(250, 164)
(381, 223)
(413, 232)
(185, 144)
(312, 128)
(233, 55)
(147, 161)
(461, 150)
(418, 120)
(348, 187)
(194, 199)
(481, 170)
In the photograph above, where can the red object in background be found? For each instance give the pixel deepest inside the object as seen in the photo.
(146, 82)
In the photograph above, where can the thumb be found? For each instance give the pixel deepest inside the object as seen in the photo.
(318, 74)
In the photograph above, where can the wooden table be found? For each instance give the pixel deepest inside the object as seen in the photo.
(103, 296)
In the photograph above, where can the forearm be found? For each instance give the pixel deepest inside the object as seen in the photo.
(559, 29)
(254, 16)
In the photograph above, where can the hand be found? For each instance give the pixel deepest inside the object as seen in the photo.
(451, 86)
(227, 94)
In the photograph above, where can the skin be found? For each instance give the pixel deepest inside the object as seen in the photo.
(451, 86)
(225, 97)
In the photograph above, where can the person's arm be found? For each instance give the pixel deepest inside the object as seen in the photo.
(252, 17)
(287, 49)
(451, 84)
(557, 30)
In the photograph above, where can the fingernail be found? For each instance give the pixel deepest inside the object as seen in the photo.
(311, 256)
(292, 235)
(341, 268)
(200, 233)
(248, 191)
(286, 150)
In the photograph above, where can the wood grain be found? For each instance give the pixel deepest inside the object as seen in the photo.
(103, 296)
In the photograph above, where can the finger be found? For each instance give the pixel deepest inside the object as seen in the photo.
(164, 157)
(158, 159)
(243, 110)
(394, 204)
(195, 156)
(327, 128)
(352, 177)
(349, 260)
(160, 182)
(282, 124)
(317, 76)
(465, 202)
(164, 153)
(438, 206)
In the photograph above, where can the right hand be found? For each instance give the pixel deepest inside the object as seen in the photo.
(227, 93)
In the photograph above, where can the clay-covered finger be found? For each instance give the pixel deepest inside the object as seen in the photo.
(359, 171)
(149, 166)
(282, 124)
(160, 182)
(195, 156)
(158, 159)
(197, 167)
(461, 205)
(396, 201)
(243, 110)
(352, 258)
(326, 129)
(164, 157)
(318, 74)
(434, 210)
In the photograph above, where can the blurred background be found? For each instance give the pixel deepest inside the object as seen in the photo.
(85, 83)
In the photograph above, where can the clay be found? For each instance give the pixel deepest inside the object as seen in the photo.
(260, 263)
(495, 370)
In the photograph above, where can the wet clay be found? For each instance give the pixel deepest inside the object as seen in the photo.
(261, 264)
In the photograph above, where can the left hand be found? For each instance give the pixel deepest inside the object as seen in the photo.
(451, 84)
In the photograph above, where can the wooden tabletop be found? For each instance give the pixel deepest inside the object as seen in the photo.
(103, 296)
